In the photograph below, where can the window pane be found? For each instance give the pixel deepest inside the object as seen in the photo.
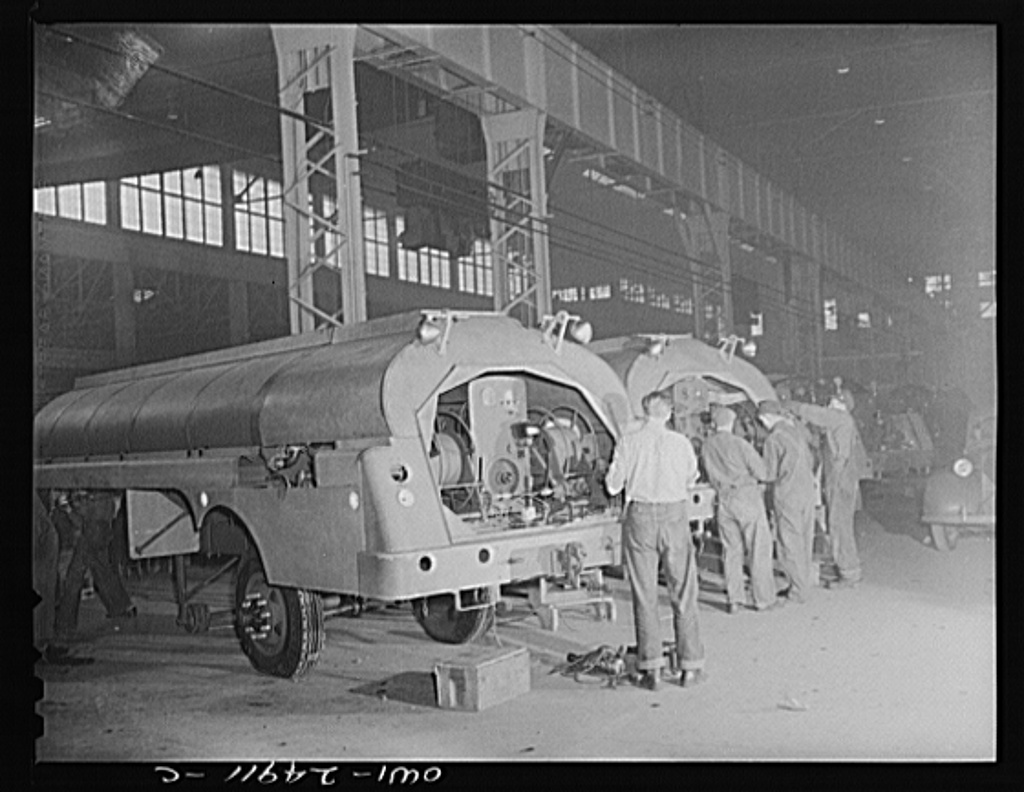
(211, 184)
(96, 202)
(129, 206)
(193, 221)
(276, 238)
(151, 181)
(255, 198)
(45, 200)
(173, 213)
(172, 182)
(214, 232)
(259, 236)
(241, 230)
(190, 185)
(151, 221)
(69, 201)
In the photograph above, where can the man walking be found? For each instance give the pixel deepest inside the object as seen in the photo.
(787, 458)
(735, 470)
(844, 463)
(657, 466)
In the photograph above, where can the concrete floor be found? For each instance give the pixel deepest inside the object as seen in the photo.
(900, 668)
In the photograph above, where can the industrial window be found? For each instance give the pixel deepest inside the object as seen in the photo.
(988, 309)
(831, 315)
(179, 204)
(658, 299)
(864, 320)
(682, 304)
(375, 241)
(82, 201)
(569, 294)
(476, 271)
(987, 278)
(933, 284)
(631, 291)
(427, 266)
(602, 292)
(259, 214)
(756, 324)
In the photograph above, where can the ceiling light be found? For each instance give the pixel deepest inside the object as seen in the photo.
(843, 70)
(879, 121)
(905, 159)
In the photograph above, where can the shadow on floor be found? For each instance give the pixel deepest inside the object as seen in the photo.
(410, 687)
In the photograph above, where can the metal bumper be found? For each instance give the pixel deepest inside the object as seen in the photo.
(511, 556)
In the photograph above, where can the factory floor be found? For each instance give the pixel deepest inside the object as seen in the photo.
(900, 668)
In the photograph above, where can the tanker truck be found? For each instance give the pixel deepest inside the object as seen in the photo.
(431, 458)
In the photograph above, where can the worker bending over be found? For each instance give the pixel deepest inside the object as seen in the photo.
(844, 463)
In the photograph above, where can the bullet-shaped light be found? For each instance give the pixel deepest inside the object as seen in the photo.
(428, 332)
(749, 348)
(582, 332)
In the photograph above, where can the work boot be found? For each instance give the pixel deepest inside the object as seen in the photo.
(693, 677)
(649, 680)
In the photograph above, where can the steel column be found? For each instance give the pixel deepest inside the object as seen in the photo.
(518, 209)
(313, 59)
(703, 231)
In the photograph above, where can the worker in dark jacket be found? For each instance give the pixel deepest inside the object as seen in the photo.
(94, 511)
(844, 463)
(736, 471)
(790, 469)
(45, 547)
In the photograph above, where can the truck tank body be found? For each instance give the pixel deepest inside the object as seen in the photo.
(329, 448)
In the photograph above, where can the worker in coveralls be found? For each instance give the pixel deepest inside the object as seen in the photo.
(736, 471)
(94, 511)
(787, 458)
(657, 467)
(844, 463)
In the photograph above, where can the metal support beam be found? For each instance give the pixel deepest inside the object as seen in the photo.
(322, 227)
(704, 232)
(518, 208)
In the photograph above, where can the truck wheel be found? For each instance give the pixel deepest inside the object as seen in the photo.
(945, 537)
(281, 629)
(440, 620)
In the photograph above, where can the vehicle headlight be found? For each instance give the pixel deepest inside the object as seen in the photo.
(963, 467)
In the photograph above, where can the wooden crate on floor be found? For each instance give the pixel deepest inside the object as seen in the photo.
(478, 678)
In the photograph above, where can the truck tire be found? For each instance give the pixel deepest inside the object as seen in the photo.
(281, 629)
(440, 620)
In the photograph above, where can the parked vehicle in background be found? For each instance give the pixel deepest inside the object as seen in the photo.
(961, 495)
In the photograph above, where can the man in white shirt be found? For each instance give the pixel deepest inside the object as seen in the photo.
(657, 467)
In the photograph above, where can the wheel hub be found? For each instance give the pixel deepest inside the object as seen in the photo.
(256, 617)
